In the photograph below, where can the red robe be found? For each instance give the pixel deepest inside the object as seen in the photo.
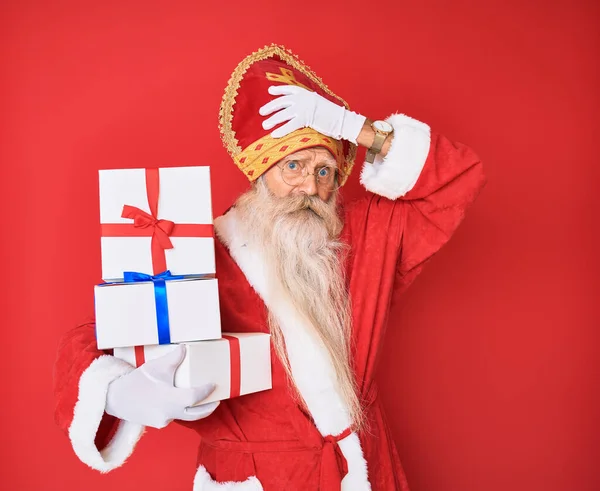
(417, 196)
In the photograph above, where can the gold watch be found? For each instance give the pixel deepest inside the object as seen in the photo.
(382, 129)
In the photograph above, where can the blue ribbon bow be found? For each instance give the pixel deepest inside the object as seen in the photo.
(160, 299)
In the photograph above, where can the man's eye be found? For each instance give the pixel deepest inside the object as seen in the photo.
(292, 165)
(324, 172)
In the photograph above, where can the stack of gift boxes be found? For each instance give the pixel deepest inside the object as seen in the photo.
(158, 264)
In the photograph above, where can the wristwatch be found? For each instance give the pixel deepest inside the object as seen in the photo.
(382, 129)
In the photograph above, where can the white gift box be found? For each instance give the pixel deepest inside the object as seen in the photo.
(126, 313)
(238, 364)
(180, 195)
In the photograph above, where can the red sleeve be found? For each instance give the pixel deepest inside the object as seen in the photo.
(76, 351)
(418, 195)
(429, 183)
(81, 377)
(449, 183)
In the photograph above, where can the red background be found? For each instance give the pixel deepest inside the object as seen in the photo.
(490, 372)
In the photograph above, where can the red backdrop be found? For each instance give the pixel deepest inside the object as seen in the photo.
(490, 370)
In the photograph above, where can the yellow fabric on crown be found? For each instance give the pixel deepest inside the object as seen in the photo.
(259, 157)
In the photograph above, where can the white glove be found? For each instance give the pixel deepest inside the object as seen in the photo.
(147, 395)
(302, 108)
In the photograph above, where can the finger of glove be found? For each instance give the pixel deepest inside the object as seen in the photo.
(194, 395)
(158, 423)
(276, 105)
(285, 89)
(287, 128)
(198, 412)
(202, 408)
(278, 118)
(163, 369)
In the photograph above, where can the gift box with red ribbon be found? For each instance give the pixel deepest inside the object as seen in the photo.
(156, 219)
(239, 363)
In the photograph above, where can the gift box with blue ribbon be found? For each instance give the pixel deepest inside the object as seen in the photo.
(154, 310)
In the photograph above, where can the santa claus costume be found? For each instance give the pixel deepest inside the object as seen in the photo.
(299, 435)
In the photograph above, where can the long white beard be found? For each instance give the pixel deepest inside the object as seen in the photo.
(299, 236)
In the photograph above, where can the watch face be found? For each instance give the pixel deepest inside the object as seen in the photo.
(383, 126)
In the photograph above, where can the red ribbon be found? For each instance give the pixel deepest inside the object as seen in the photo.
(334, 466)
(149, 225)
(235, 365)
(140, 356)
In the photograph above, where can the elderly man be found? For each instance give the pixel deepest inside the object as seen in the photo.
(293, 261)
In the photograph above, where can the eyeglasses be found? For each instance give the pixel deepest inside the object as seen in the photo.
(294, 173)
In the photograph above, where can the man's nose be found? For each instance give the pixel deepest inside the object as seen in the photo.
(309, 186)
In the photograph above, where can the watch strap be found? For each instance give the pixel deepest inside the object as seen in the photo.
(376, 147)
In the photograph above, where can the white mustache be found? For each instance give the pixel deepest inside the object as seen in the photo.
(304, 202)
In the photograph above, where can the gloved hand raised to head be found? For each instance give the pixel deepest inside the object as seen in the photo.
(148, 396)
(301, 108)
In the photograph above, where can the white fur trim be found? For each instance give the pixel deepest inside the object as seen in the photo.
(310, 362)
(203, 482)
(397, 173)
(88, 412)
(358, 475)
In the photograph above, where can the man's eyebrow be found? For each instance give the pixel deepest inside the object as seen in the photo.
(331, 162)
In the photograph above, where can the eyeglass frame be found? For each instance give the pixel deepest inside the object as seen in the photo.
(337, 179)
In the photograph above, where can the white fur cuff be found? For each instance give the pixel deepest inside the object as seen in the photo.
(397, 173)
(203, 482)
(88, 412)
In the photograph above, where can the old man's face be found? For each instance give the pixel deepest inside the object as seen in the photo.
(312, 172)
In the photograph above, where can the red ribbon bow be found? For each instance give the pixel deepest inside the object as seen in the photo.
(334, 466)
(161, 229)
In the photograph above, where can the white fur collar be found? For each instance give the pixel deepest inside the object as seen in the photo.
(311, 365)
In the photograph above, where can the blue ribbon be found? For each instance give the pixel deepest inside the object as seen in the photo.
(160, 299)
